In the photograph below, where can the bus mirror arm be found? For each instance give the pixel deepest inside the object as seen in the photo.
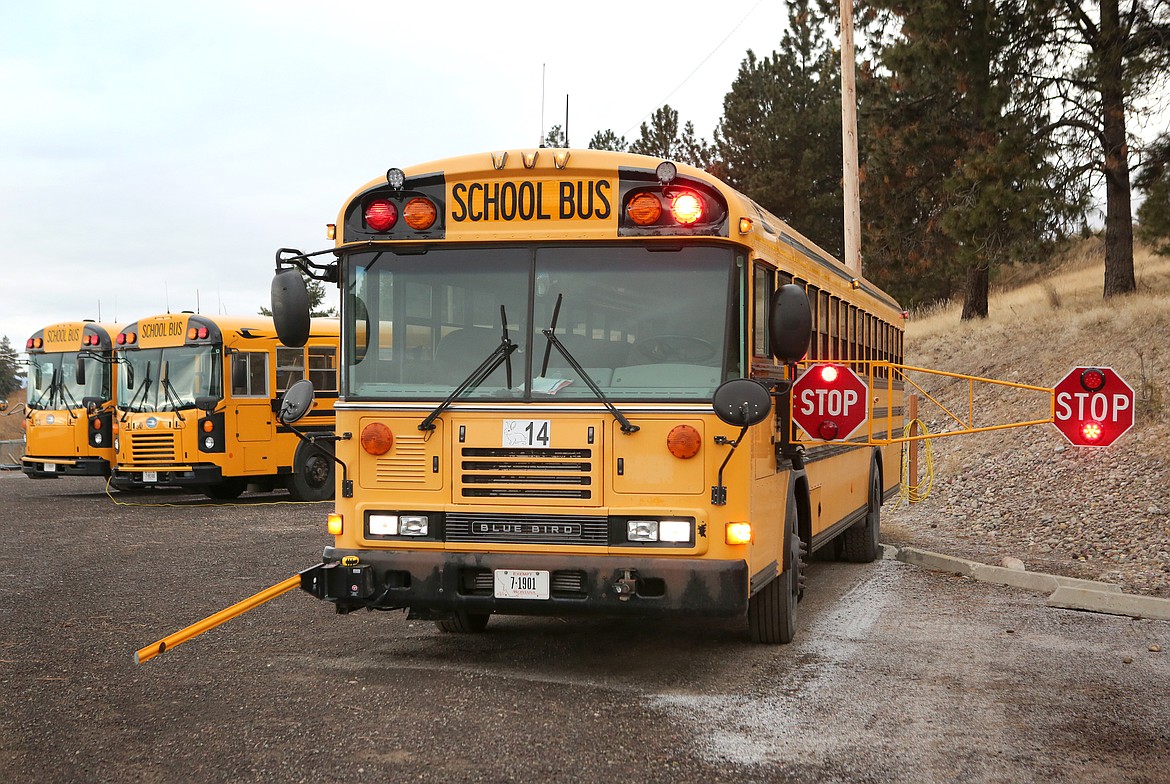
(311, 440)
(719, 492)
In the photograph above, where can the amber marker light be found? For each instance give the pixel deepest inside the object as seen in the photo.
(334, 524)
(644, 209)
(739, 533)
(377, 438)
(419, 214)
(684, 442)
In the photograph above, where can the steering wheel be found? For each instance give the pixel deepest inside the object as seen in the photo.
(675, 348)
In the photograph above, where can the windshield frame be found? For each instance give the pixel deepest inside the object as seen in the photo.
(679, 282)
(68, 395)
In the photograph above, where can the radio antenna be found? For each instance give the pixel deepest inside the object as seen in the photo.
(167, 296)
(566, 120)
(543, 71)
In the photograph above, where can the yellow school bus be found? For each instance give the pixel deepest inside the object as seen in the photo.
(196, 406)
(565, 390)
(71, 382)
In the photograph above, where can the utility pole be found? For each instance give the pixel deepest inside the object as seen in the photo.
(850, 178)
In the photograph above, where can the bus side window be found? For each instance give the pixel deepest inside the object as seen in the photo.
(290, 367)
(323, 368)
(249, 374)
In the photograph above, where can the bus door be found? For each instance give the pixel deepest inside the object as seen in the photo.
(251, 406)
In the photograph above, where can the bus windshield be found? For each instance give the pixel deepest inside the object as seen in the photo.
(641, 322)
(53, 381)
(192, 371)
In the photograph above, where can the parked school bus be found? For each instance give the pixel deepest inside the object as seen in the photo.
(196, 404)
(70, 400)
(559, 371)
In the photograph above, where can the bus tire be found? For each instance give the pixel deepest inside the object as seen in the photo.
(227, 489)
(464, 622)
(772, 611)
(312, 478)
(859, 544)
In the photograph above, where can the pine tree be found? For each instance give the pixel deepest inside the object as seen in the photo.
(662, 138)
(1154, 181)
(957, 179)
(316, 291)
(608, 140)
(9, 377)
(779, 140)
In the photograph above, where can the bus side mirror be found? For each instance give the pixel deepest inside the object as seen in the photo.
(290, 308)
(742, 402)
(296, 402)
(79, 375)
(790, 325)
(206, 403)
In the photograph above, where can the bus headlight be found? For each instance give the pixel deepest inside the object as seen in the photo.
(97, 439)
(399, 525)
(658, 530)
(209, 443)
(116, 445)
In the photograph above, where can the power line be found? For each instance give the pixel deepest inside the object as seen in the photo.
(718, 46)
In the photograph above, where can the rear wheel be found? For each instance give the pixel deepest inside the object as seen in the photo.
(312, 476)
(772, 611)
(464, 623)
(860, 543)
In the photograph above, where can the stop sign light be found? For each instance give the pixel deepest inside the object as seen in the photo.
(1092, 406)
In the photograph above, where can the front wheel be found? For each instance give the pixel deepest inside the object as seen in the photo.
(312, 476)
(772, 611)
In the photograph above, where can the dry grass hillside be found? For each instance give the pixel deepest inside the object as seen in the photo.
(1024, 492)
(10, 427)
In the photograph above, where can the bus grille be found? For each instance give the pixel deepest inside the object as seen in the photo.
(153, 448)
(578, 530)
(527, 473)
(564, 584)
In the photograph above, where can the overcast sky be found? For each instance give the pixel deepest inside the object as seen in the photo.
(155, 155)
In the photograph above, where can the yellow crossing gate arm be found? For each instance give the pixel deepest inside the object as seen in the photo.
(211, 621)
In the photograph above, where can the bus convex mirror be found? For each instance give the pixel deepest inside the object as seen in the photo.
(290, 308)
(206, 403)
(790, 325)
(742, 402)
(296, 402)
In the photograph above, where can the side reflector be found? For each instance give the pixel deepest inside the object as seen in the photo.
(334, 524)
(739, 533)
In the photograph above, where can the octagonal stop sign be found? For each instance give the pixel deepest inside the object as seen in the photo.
(829, 402)
(1092, 406)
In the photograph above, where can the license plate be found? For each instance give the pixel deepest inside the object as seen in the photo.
(521, 584)
(150, 476)
(50, 468)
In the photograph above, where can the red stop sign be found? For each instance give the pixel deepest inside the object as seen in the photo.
(829, 402)
(1092, 406)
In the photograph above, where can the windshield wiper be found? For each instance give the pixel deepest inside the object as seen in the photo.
(169, 391)
(141, 390)
(502, 354)
(549, 333)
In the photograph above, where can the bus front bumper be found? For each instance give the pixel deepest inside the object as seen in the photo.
(196, 476)
(433, 585)
(51, 468)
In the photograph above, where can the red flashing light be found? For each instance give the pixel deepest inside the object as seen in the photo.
(203, 333)
(687, 208)
(1092, 431)
(828, 430)
(1092, 379)
(29, 343)
(381, 215)
(829, 374)
(121, 339)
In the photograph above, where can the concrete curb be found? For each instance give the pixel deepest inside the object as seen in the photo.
(1065, 592)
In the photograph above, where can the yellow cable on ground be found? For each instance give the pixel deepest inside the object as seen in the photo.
(914, 491)
(208, 503)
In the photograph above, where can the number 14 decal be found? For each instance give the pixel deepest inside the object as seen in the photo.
(527, 433)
